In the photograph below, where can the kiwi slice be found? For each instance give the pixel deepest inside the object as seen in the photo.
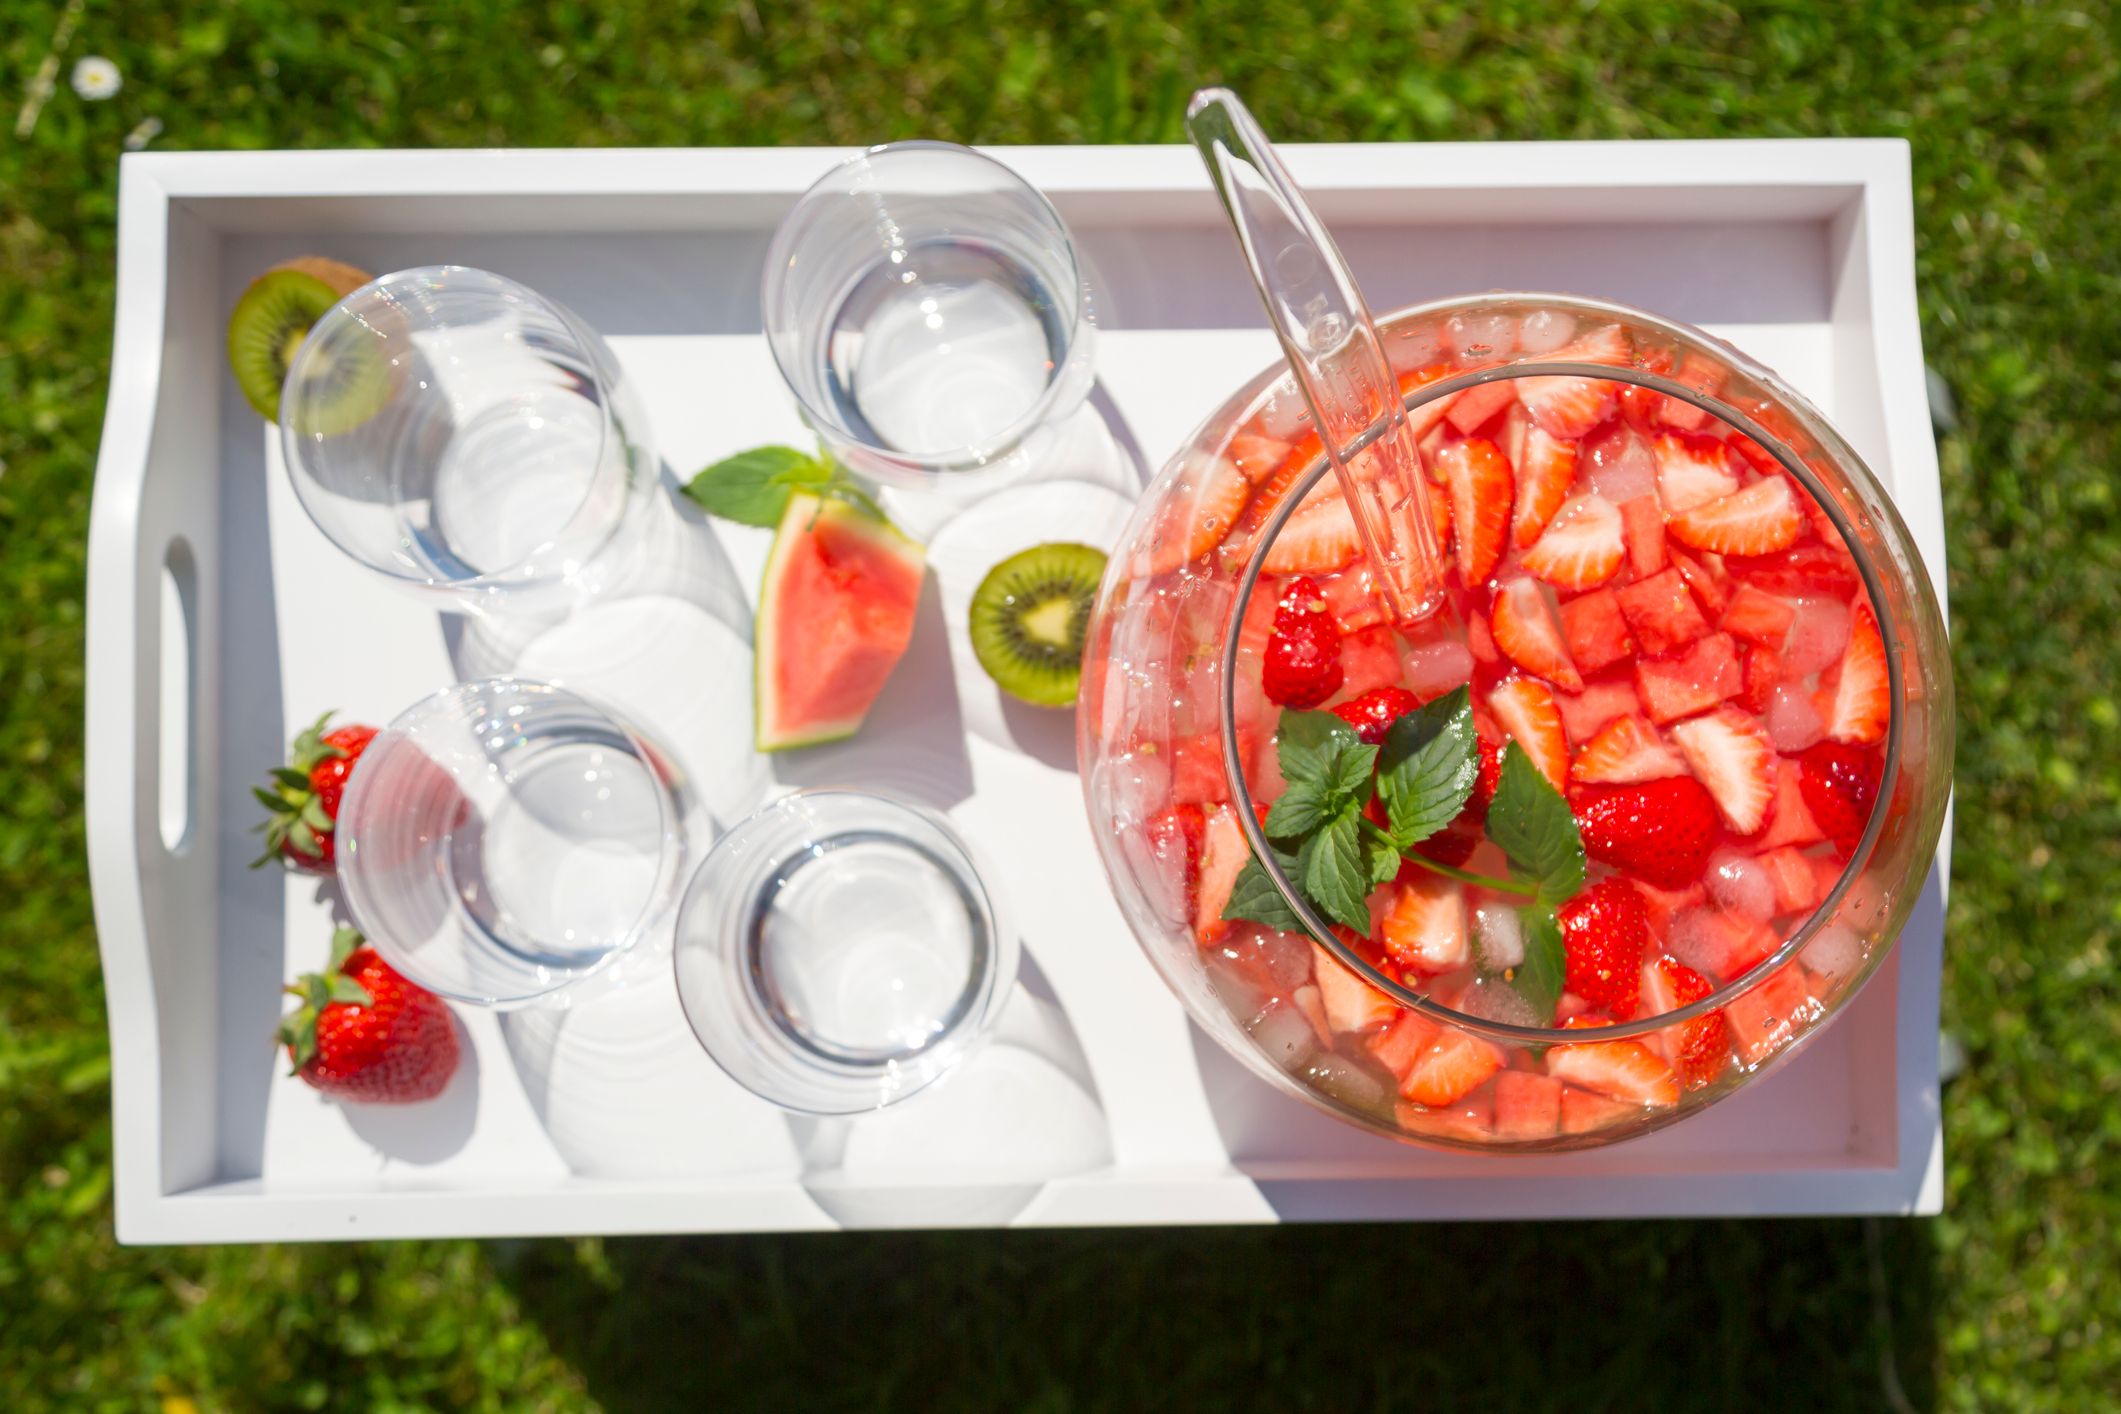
(1030, 617)
(268, 325)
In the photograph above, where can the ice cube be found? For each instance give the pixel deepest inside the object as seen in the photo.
(1434, 667)
(1284, 1033)
(1346, 1081)
(1498, 935)
(1698, 938)
(1492, 999)
(1482, 333)
(1835, 953)
(1545, 330)
(1619, 464)
(1793, 723)
(1287, 957)
(1742, 884)
(1239, 994)
(1818, 633)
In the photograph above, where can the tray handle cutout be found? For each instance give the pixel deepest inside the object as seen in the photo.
(177, 783)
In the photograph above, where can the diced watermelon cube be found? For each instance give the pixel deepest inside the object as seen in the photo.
(1800, 886)
(1368, 659)
(1469, 1118)
(1470, 409)
(1642, 528)
(1197, 776)
(1585, 1110)
(1758, 617)
(1690, 682)
(1584, 713)
(1661, 612)
(1766, 1018)
(1399, 1045)
(1597, 633)
(1527, 1105)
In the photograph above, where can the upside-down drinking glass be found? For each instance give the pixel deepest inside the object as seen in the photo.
(504, 839)
(464, 435)
(925, 306)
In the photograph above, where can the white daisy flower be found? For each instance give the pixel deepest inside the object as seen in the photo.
(96, 77)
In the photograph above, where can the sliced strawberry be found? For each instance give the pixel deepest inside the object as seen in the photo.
(1642, 527)
(1545, 470)
(1490, 770)
(1701, 1047)
(1661, 830)
(1451, 1066)
(1692, 471)
(1351, 1004)
(1438, 497)
(1860, 703)
(1839, 784)
(1771, 1014)
(1527, 1105)
(1689, 682)
(1626, 751)
(1424, 924)
(1527, 629)
(1373, 713)
(1706, 577)
(1762, 518)
(1805, 570)
(1471, 409)
(1661, 612)
(1596, 630)
(1480, 485)
(1791, 821)
(1175, 838)
(1269, 491)
(1565, 406)
(1223, 853)
(1195, 517)
(1604, 930)
(1758, 617)
(1582, 546)
(1257, 457)
(1527, 712)
(1729, 752)
(1624, 1070)
(1319, 539)
(1585, 714)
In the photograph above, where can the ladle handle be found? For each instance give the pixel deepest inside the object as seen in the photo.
(1332, 346)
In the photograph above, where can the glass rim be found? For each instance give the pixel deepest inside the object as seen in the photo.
(854, 1085)
(510, 576)
(666, 821)
(972, 457)
(1318, 927)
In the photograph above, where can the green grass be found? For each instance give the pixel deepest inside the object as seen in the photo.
(2011, 1300)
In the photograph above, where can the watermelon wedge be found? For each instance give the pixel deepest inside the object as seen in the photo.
(835, 614)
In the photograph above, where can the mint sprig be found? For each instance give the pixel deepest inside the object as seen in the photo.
(753, 487)
(1325, 835)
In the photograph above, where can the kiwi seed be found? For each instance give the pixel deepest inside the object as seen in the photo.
(1030, 618)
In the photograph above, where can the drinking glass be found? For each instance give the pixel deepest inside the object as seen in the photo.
(925, 306)
(837, 952)
(462, 434)
(504, 839)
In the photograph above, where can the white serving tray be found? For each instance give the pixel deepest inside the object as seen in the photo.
(1100, 1104)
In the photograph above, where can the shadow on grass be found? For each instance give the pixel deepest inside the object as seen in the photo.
(1723, 1316)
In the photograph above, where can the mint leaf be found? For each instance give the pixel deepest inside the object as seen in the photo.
(1536, 829)
(1254, 897)
(752, 488)
(1538, 980)
(1303, 807)
(1309, 743)
(1335, 876)
(1382, 858)
(1348, 770)
(1428, 767)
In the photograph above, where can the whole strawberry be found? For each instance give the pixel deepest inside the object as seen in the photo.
(1704, 1042)
(1839, 785)
(1661, 831)
(1302, 666)
(1604, 930)
(365, 1033)
(1373, 713)
(302, 803)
